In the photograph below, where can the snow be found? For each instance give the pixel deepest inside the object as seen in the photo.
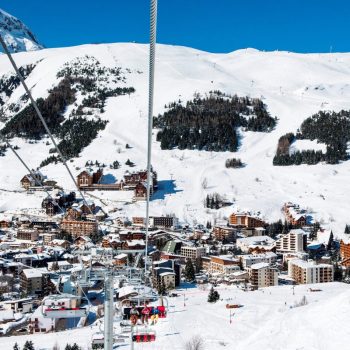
(307, 264)
(269, 319)
(305, 145)
(6, 315)
(16, 35)
(287, 83)
(32, 273)
(258, 266)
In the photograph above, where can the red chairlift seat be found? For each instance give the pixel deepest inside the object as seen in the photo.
(162, 311)
(144, 337)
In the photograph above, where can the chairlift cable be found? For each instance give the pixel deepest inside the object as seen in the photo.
(37, 110)
(38, 182)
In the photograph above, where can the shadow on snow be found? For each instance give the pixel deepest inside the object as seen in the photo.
(165, 187)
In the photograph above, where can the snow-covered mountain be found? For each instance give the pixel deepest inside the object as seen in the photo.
(17, 35)
(293, 87)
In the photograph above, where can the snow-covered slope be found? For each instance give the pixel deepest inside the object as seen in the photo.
(288, 83)
(268, 320)
(17, 35)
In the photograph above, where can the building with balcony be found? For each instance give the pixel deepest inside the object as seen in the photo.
(305, 272)
(263, 275)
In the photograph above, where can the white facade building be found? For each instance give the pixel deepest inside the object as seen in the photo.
(292, 242)
(193, 253)
(251, 259)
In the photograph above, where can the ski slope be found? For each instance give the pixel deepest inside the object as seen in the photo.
(293, 86)
(267, 320)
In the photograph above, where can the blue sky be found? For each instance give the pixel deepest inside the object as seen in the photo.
(216, 26)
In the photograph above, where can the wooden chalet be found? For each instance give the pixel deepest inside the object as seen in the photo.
(88, 178)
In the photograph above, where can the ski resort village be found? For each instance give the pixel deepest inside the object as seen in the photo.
(172, 199)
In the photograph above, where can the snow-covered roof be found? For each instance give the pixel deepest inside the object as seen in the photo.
(6, 315)
(6, 217)
(167, 274)
(256, 240)
(58, 241)
(136, 242)
(258, 256)
(297, 231)
(127, 290)
(308, 264)
(259, 266)
(32, 273)
(121, 256)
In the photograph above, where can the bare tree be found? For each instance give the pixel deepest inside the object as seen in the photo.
(195, 343)
(204, 183)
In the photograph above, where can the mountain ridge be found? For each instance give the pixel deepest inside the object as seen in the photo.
(17, 36)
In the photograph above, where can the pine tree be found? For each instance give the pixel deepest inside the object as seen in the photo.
(16, 347)
(347, 229)
(28, 345)
(161, 288)
(316, 226)
(330, 241)
(213, 295)
(338, 273)
(189, 271)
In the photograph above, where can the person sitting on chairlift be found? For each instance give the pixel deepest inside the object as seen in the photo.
(134, 315)
(145, 313)
(156, 315)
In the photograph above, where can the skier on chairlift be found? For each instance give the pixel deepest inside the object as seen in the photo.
(134, 315)
(145, 314)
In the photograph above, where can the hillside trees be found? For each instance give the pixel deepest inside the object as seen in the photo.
(93, 81)
(210, 123)
(329, 128)
(233, 163)
(27, 124)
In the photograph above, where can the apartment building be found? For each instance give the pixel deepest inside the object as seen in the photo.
(305, 272)
(192, 253)
(163, 221)
(28, 235)
(246, 220)
(223, 265)
(263, 275)
(294, 241)
(345, 249)
(224, 232)
(48, 238)
(345, 252)
(34, 282)
(79, 227)
(251, 259)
